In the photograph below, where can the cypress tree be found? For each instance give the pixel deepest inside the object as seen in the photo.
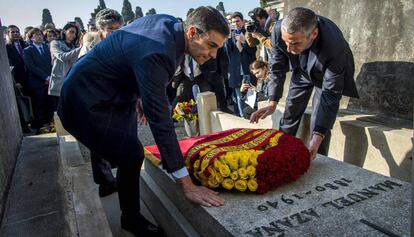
(220, 8)
(127, 12)
(102, 4)
(151, 12)
(46, 17)
(79, 20)
(138, 12)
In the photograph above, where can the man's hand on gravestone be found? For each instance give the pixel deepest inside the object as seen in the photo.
(314, 145)
(199, 194)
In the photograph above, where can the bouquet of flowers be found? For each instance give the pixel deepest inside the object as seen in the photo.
(257, 160)
(185, 111)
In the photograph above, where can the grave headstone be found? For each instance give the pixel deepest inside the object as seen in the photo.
(332, 199)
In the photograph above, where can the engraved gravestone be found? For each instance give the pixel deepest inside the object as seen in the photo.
(332, 199)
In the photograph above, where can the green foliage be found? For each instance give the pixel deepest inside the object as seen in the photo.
(190, 11)
(220, 8)
(151, 12)
(46, 17)
(138, 12)
(102, 4)
(79, 20)
(127, 12)
(263, 3)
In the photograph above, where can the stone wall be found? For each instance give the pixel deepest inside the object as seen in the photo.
(10, 130)
(380, 34)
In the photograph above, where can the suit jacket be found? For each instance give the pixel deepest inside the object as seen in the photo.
(239, 59)
(98, 98)
(330, 66)
(63, 57)
(38, 66)
(16, 60)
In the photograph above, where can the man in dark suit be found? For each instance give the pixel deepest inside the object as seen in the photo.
(241, 55)
(15, 49)
(39, 66)
(314, 48)
(98, 100)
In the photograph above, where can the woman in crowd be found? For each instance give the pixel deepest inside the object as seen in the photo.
(49, 36)
(260, 70)
(64, 54)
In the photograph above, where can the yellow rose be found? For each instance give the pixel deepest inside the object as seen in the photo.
(227, 184)
(222, 158)
(204, 164)
(251, 171)
(196, 164)
(232, 160)
(234, 175)
(225, 170)
(201, 175)
(252, 184)
(244, 160)
(196, 176)
(212, 172)
(253, 160)
(219, 177)
(212, 183)
(217, 164)
(242, 173)
(241, 185)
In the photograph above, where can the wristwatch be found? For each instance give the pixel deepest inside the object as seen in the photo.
(318, 134)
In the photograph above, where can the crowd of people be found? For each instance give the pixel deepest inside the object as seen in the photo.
(40, 58)
(102, 85)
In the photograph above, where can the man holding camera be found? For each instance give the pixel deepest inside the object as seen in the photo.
(241, 55)
(260, 29)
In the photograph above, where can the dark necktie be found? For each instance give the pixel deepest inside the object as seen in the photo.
(19, 49)
(303, 59)
(42, 52)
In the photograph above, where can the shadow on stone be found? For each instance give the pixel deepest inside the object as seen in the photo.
(385, 88)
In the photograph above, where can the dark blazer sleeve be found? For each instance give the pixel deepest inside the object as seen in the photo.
(332, 88)
(29, 60)
(279, 66)
(153, 74)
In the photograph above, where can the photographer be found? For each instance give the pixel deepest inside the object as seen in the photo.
(260, 70)
(260, 29)
(241, 55)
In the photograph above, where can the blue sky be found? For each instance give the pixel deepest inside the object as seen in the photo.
(29, 12)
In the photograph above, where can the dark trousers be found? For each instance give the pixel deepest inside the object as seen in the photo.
(101, 170)
(42, 107)
(300, 91)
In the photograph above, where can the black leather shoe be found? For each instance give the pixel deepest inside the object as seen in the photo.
(141, 227)
(107, 189)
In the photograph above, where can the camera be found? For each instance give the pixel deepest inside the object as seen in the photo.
(246, 79)
(251, 26)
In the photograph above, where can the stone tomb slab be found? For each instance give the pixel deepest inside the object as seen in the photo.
(332, 199)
